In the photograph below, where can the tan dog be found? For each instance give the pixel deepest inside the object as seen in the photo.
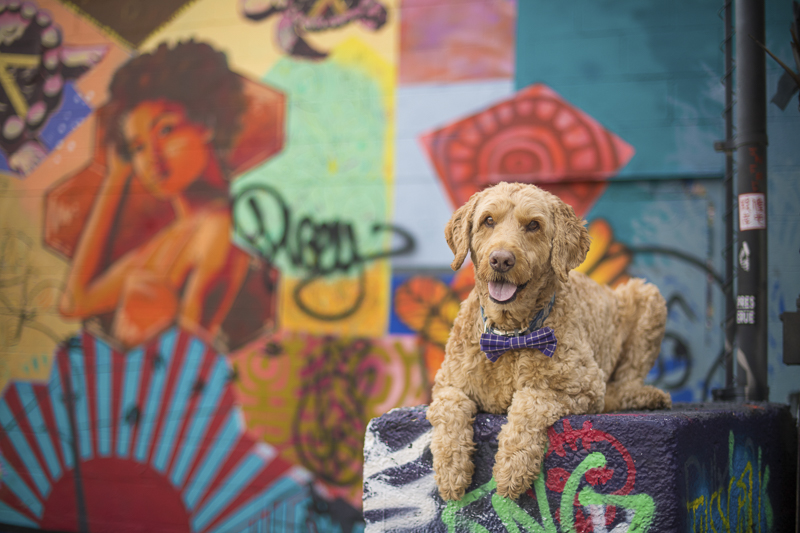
(524, 242)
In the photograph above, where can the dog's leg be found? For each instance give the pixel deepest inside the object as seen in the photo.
(627, 390)
(452, 413)
(523, 440)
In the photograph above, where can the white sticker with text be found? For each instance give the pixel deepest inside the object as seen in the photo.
(752, 211)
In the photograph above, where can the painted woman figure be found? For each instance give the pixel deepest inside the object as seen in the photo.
(172, 116)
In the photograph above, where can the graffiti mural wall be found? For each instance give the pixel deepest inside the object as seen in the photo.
(221, 228)
(195, 276)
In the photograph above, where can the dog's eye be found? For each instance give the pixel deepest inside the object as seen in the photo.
(532, 226)
(489, 221)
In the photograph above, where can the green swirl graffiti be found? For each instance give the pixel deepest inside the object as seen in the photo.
(513, 516)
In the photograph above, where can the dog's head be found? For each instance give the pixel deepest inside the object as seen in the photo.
(519, 237)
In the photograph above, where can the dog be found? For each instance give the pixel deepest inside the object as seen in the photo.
(595, 345)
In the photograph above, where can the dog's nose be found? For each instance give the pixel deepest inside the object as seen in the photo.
(502, 260)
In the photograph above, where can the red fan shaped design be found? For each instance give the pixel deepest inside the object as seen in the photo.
(146, 441)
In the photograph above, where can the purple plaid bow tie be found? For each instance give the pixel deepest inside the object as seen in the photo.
(543, 339)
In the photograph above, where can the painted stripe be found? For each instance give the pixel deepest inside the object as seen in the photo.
(280, 513)
(300, 514)
(102, 359)
(218, 450)
(203, 414)
(149, 418)
(251, 511)
(180, 398)
(60, 415)
(36, 421)
(248, 468)
(82, 419)
(21, 445)
(11, 516)
(15, 483)
(130, 393)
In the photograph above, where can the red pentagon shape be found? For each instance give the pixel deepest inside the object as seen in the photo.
(533, 137)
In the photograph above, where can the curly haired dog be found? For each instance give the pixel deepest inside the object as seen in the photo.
(523, 243)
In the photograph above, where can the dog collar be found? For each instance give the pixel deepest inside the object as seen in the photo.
(536, 323)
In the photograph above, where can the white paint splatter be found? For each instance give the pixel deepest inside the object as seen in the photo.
(378, 457)
(414, 502)
(598, 514)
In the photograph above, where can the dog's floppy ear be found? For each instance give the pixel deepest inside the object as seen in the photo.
(458, 231)
(570, 242)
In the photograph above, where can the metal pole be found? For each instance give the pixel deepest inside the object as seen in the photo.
(730, 306)
(730, 392)
(751, 157)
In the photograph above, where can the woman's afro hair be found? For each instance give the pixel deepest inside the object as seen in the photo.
(190, 73)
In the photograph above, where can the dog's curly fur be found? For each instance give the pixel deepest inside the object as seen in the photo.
(607, 339)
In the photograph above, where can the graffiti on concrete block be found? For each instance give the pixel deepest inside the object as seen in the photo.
(406, 503)
(639, 509)
(735, 499)
(587, 485)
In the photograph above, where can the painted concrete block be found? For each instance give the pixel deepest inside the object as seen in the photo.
(698, 467)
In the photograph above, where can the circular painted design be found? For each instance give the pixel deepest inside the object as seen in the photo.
(535, 137)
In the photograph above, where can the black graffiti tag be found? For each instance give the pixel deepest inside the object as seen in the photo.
(319, 248)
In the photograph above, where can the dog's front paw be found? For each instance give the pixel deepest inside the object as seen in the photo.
(662, 400)
(516, 467)
(649, 397)
(453, 481)
(450, 492)
(452, 465)
(514, 473)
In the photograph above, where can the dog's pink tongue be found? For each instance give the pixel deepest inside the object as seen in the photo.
(501, 291)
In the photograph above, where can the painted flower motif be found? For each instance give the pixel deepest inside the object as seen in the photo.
(429, 306)
(607, 260)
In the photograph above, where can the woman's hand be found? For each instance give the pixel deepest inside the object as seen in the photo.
(118, 170)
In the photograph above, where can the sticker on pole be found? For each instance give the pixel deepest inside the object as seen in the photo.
(752, 211)
(745, 309)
